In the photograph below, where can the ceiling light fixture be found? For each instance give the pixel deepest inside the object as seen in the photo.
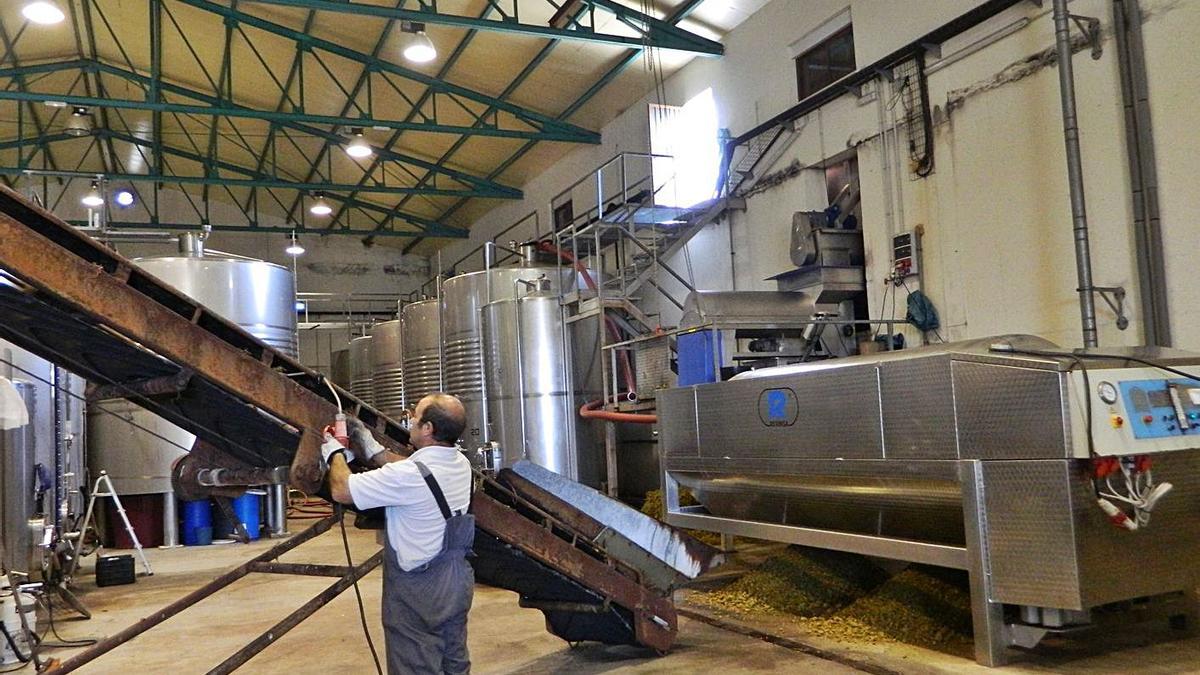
(320, 207)
(93, 198)
(124, 198)
(294, 248)
(79, 123)
(43, 12)
(417, 47)
(359, 148)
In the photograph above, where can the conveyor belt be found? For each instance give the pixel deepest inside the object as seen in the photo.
(70, 300)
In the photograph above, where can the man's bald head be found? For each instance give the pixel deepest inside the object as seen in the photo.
(445, 414)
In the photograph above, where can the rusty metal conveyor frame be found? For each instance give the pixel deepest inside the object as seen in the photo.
(72, 301)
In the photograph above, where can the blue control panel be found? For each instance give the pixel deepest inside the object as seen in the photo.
(1162, 408)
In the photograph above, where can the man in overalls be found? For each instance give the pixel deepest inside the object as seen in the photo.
(427, 581)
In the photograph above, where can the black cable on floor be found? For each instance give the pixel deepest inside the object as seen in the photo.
(62, 642)
(12, 644)
(362, 612)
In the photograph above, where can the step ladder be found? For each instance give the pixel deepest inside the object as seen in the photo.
(110, 492)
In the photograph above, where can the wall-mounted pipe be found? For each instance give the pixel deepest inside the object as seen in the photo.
(1143, 172)
(1079, 224)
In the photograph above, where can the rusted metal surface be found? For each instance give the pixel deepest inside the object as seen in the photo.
(301, 569)
(206, 471)
(113, 641)
(292, 620)
(74, 280)
(155, 386)
(655, 621)
(665, 555)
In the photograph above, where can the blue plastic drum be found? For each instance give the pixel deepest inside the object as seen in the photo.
(197, 523)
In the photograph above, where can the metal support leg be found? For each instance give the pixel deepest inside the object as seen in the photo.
(170, 522)
(610, 456)
(277, 505)
(987, 617)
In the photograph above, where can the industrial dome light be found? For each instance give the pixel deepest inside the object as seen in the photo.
(124, 198)
(359, 148)
(417, 47)
(79, 123)
(43, 12)
(294, 248)
(93, 198)
(320, 207)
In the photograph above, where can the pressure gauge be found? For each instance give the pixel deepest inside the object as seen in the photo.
(1107, 392)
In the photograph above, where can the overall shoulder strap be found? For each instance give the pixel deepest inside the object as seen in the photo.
(435, 489)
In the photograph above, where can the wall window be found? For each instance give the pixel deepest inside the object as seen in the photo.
(826, 63)
(564, 215)
(688, 136)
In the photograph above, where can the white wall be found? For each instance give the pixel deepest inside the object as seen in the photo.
(998, 251)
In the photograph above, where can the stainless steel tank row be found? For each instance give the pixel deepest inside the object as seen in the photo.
(497, 340)
(463, 298)
(532, 396)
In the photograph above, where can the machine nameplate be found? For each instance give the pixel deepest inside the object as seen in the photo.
(778, 407)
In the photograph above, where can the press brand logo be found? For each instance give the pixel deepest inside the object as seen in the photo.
(778, 407)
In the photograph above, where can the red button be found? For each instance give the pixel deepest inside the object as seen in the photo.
(1148, 419)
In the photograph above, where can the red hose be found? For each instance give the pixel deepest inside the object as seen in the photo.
(589, 411)
(626, 366)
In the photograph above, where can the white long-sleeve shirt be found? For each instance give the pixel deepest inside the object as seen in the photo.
(415, 525)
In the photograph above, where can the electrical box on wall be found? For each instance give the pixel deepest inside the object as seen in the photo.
(905, 249)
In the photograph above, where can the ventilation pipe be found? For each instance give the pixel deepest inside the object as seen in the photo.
(1083, 254)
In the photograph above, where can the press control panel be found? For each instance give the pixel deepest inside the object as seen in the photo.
(1136, 410)
(1162, 408)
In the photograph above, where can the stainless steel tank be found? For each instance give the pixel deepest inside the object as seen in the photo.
(362, 371)
(339, 368)
(532, 398)
(422, 338)
(135, 446)
(463, 297)
(18, 529)
(51, 445)
(258, 296)
(387, 372)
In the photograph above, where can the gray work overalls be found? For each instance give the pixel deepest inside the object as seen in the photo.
(425, 610)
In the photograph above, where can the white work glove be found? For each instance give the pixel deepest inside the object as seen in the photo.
(363, 444)
(330, 447)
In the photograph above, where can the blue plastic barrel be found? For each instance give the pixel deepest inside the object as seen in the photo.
(246, 509)
(197, 523)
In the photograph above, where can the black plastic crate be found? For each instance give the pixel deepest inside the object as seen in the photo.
(114, 570)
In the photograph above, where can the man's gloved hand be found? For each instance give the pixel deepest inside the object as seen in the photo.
(330, 447)
(363, 444)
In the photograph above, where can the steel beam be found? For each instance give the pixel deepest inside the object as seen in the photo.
(679, 14)
(445, 232)
(265, 181)
(654, 33)
(213, 103)
(546, 122)
(227, 109)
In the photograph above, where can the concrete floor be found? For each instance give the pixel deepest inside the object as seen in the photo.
(503, 637)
